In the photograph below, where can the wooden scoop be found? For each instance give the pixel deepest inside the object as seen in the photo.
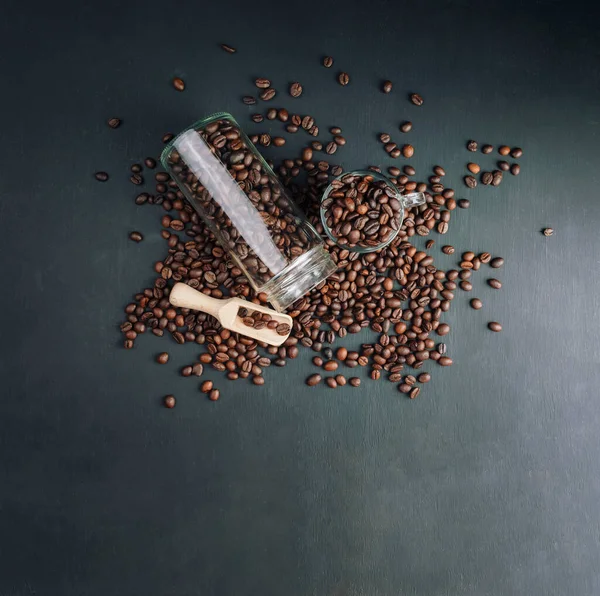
(226, 312)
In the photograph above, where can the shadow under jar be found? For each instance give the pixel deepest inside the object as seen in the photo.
(244, 204)
(363, 211)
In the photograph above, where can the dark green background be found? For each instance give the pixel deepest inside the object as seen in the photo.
(487, 484)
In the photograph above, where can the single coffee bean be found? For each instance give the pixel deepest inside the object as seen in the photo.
(341, 354)
(466, 286)
(476, 303)
(496, 327)
(197, 369)
(429, 244)
(497, 262)
(516, 152)
(503, 150)
(354, 381)
(268, 94)
(424, 378)
(485, 257)
(179, 84)
(228, 49)
(330, 365)
(169, 401)
(445, 361)
(496, 178)
(343, 78)
(206, 386)
(473, 168)
(414, 392)
(331, 382)
(487, 149)
(515, 169)
(448, 250)
(387, 86)
(406, 126)
(468, 256)
(548, 231)
(249, 100)
(416, 99)
(472, 145)
(313, 380)
(258, 380)
(262, 83)
(150, 163)
(114, 122)
(136, 236)
(214, 395)
(331, 148)
(101, 176)
(443, 329)
(494, 283)
(340, 380)
(328, 353)
(486, 178)
(278, 141)
(296, 89)
(408, 151)
(162, 358)
(317, 361)
(470, 181)
(463, 203)
(503, 165)
(384, 137)
(328, 62)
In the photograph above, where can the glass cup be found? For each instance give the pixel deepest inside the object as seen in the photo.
(408, 201)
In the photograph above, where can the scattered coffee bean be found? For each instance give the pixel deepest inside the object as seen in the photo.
(268, 94)
(472, 145)
(101, 176)
(258, 380)
(503, 150)
(387, 86)
(214, 395)
(496, 177)
(470, 181)
(494, 283)
(328, 62)
(448, 250)
(169, 401)
(486, 178)
(114, 122)
(473, 168)
(516, 152)
(340, 380)
(515, 169)
(406, 126)
(429, 244)
(343, 78)
(249, 100)
(354, 381)
(330, 365)
(466, 286)
(476, 303)
(136, 236)
(504, 166)
(162, 358)
(296, 89)
(150, 163)
(485, 257)
(331, 382)
(463, 203)
(313, 380)
(548, 231)
(408, 151)
(228, 49)
(424, 378)
(416, 99)
(341, 354)
(414, 392)
(179, 84)
(262, 83)
(487, 149)
(496, 327)
(497, 262)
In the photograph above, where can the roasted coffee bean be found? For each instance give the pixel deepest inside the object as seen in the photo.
(466, 286)
(496, 327)
(503, 150)
(515, 169)
(384, 137)
(516, 152)
(340, 380)
(228, 49)
(136, 179)
(486, 178)
(414, 392)
(463, 203)
(179, 84)
(445, 361)
(485, 257)
(330, 365)
(278, 141)
(136, 236)
(448, 250)
(497, 262)
(214, 394)
(313, 380)
(354, 381)
(473, 168)
(331, 382)
(206, 386)
(262, 83)
(296, 89)
(408, 151)
(197, 369)
(470, 181)
(494, 283)
(416, 99)
(258, 380)
(443, 329)
(476, 303)
(317, 361)
(282, 329)
(101, 176)
(169, 401)
(504, 166)
(496, 178)
(249, 100)
(429, 244)
(343, 78)
(331, 148)
(487, 149)
(327, 61)
(268, 94)
(548, 231)
(162, 358)
(424, 378)
(341, 354)
(472, 145)
(387, 86)
(114, 122)
(406, 126)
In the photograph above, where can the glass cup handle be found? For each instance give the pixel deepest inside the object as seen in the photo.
(413, 199)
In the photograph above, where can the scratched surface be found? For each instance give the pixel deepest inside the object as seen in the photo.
(487, 485)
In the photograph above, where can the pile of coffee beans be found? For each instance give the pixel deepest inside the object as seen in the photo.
(261, 320)
(397, 292)
(362, 210)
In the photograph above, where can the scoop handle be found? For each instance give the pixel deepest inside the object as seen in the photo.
(185, 297)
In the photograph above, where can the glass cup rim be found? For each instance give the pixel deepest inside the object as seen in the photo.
(329, 233)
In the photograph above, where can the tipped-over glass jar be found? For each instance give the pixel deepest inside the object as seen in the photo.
(241, 200)
(363, 211)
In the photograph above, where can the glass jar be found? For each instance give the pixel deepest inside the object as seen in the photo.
(386, 189)
(241, 200)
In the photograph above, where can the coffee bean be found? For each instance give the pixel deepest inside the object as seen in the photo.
(503, 150)
(494, 283)
(282, 329)
(406, 126)
(354, 381)
(486, 178)
(313, 380)
(497, 262)
(262, 83)
(466, 286)
(516, 152)
(387, 86)
(328, 62)
(515, 169)
(169, 401)
(443, 329)
(448, 250)
(341, 354)
(429, 244)
(496, 327)
(473, 168)
(330, 365)
(487, 149)
(414, 392)
(424, 378)
(476, 303)
(179, 84)
(101, 176)
(228, 49)
(150, 163)
(504, 166)
(416, 99)
(472, 145)
(463, 203)
(384, 137)
(114, 122)
(408, 151)
(496, 177)
(343, 78)
(296, 89)
(548, 231)
(136, 236)
(268, 94)
(470, 181)
(328, 353)
(331, 148)
(278, 141)
(206, 386)
(331, 382)
(340, 380)
(485, 257)
(249, 100)
(162, 358)
(445, 361)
